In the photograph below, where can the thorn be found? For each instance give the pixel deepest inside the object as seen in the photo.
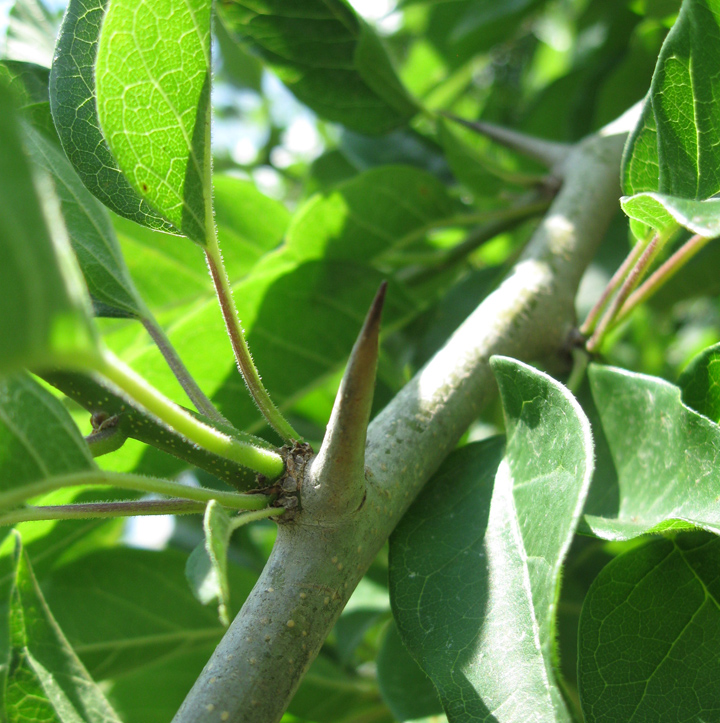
(338, 471)
(549, 153)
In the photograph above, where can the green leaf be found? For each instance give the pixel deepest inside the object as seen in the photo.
(123, 608)
(154, 692)
(406, 690)
(675, 149)
(700, 383)
(73, 103)
(44, 318)
(38, 438)
(46, 681)
(649, 634)
(376, 211)
(206, 568)
(322, 275)
(238, 66)
(328, 693)
(475, 562)
(328, 57)
(91, 233)
(665, 458)
(153, 98)
(27, 80)
(662, 212)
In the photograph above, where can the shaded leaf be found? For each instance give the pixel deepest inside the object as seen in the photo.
(123, 608)
(38, 438)
(328, 57)
(649, 634)
(238, 65)
(44, 317)
(665, 457)
(408, 692)
(91, 232)
(154, 692)
(28, 80)
(153, 99)
(328, 693)
(662, 212)
(475, 562)
(700, 383)
(46, 681)
(674, 148)
(73, 103)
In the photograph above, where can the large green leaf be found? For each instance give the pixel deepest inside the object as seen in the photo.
(674, 149)
(665, 458)
(43, 313)
(649, 635)
(46, 681)
(38, 438)
(475, 562)
(123, 608)
(73, 102)
(153, 97)
(700, 383)
(330, 59)
(91, 233)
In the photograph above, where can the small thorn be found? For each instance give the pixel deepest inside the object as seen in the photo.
(549, 153)
(339, 468)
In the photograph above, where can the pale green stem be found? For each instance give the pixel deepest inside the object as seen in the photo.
(665, 272)
(181, 372)
(261, 460)
(99, 510)
(248, 517)
(618, 277)
(136, 482)
(239, 344)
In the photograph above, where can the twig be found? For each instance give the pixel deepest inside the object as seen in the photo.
(136, 482)
(661, 275)
(100, 510)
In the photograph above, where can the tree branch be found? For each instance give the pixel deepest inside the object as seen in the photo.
(317, 561)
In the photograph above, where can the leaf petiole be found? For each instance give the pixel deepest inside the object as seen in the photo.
(263, 460)
(135, 482)
(240, 347)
